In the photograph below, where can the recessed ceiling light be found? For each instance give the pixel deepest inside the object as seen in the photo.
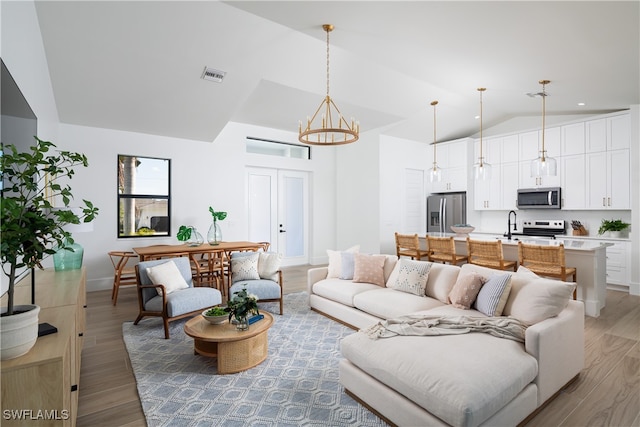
(581, 104)
(476, 117)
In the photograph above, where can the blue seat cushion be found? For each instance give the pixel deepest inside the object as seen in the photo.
(263, 289)
(186, 300)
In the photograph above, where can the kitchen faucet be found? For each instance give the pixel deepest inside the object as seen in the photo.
(515, 226)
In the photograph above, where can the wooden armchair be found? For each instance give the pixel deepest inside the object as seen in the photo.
(160, 300)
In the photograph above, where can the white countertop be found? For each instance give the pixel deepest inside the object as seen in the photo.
(570, 242)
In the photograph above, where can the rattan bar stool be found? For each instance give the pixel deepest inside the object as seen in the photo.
(443, 249)
(546, 260)
(409, 245)
(488, 253)
(123, 275)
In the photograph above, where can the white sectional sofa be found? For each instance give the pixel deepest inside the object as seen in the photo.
(470, 379)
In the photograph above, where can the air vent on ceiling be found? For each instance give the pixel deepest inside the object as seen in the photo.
(213, 75)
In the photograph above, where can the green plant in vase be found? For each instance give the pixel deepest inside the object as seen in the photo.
(31, 227)
(612, 225)
(214, 236)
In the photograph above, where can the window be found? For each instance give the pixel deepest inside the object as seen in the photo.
(144, 197)
(276, 148)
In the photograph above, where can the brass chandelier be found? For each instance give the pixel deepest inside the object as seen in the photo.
(328, 126)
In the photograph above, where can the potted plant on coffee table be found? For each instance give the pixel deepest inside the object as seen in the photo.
(31, 228)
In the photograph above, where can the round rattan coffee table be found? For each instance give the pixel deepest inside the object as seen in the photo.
(235, 350)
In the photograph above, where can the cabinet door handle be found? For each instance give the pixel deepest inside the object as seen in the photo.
(609, 200)
(603, 202)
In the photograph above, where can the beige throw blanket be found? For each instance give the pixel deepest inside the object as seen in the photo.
(425, 325)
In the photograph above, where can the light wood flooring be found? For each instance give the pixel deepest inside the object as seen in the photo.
(607, 393)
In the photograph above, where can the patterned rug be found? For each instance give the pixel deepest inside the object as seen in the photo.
(297, 385)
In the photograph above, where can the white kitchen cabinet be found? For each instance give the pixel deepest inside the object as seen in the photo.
(500, 192)
(608, 176)
(573, 174)
(530, 148)
(452, 160)
(528, 181)
(618, 262)
(572, 139)
(510, 148)
(609, 133)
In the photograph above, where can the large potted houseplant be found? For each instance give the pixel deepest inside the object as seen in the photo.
(32, 228)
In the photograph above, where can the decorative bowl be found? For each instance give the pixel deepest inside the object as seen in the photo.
(462, 229)
(215, 320)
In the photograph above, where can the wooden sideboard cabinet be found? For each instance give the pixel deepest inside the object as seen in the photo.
(41, 387)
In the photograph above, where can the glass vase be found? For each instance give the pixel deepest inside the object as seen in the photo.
(242, 323)
(68, 257)
(214, 236)
(195, 239)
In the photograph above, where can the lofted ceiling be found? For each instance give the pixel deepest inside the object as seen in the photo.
(137, 65)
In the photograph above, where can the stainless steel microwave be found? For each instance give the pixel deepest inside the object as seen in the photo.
(539, 198)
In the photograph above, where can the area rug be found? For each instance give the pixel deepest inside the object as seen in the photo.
(298, 384)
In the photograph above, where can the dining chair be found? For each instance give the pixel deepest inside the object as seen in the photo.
(546, 260)
(124, 274)
(171, 294)
(443, 249)
(488, 253)
(409, 245)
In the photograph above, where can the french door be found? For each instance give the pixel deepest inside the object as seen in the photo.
(278, 205)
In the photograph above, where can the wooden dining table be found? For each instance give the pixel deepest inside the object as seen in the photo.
(147, 253)
(222, 251)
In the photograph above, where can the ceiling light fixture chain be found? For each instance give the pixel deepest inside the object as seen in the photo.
(436, 173)
(482, 169)
(324, 131)
(544, 165)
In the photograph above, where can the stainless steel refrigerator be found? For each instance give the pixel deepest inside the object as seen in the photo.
(445, 210)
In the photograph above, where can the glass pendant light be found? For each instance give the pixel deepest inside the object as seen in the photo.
(435, 175)
(482, 169)
(544, 165)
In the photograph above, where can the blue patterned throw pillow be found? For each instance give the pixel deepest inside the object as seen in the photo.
(493, 295)
(412, 276)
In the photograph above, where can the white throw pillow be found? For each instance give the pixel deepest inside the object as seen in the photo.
(268, 265)
(245, 267)
(335, 261)
(534, 300)
(167, 274)
(410, 276)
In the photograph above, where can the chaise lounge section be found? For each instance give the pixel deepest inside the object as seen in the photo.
(468, 379)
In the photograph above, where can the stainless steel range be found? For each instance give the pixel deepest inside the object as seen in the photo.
(548, 228)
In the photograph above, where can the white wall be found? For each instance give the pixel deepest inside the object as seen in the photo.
(358, 194)
(397, 155)
(202, 175)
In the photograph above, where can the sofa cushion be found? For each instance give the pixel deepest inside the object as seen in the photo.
(533, 300)
(441, 279)
(388, 303)
(341, 291)
(461, 379)
(410, 276)
(493, 295)
(347, 260)
(369, 269)
(335, 261)
(244, 266)
(167, 274)
(465, 290)
(179, 303)
(268, 265)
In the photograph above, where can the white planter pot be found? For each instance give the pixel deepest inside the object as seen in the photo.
(18, 332)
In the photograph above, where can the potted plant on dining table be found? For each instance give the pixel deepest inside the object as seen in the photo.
(214, 236)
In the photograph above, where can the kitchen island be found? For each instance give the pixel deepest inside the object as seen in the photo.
(588, 257)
